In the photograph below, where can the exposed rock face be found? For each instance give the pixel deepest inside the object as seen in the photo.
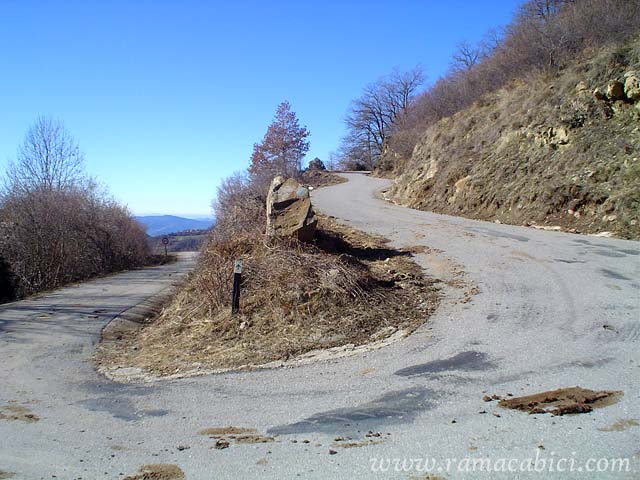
(555, 136)
(459, 186)
(582, 88)
(632, 85)
(615, 90)
(289, 210)
(599, 94)
(527, 155)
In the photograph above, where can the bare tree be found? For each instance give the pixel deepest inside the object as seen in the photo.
(56, 225)
(466, 56)
(544, 35)
(333, 161)
(371, 118)
(48, 159)
(490, 42)
(543, 10)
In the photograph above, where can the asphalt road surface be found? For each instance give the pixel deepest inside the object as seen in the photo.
(522, 311)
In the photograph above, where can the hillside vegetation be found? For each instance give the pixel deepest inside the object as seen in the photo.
(56, 225)
(542, 150)
(515, 130)
(185, 241)
(166, 224)
(344, 289)
(340, 290)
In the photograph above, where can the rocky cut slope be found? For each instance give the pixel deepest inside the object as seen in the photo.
(559, 151)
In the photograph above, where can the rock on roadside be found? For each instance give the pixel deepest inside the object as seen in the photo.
(615, 90)
(632, 85)
(289, 210)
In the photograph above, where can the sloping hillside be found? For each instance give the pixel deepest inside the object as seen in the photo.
(543, 151)
(164, 224)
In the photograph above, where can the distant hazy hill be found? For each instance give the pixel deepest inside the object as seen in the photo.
(164, 224)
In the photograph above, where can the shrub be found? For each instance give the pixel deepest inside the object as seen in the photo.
(544, 35)
(56, 225)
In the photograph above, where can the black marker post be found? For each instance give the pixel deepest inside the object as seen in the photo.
(235, 294)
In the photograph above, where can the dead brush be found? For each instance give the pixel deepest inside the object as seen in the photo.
(345, 289)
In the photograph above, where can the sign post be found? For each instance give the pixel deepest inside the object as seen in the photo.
(235, 293)
(165, 242)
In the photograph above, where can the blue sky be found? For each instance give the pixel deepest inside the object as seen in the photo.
(168, 97)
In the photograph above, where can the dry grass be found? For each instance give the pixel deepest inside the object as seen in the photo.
(537, 152)
(347, 288)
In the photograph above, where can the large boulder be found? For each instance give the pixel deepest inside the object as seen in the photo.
(289, 210)
(615, 90)
(632, 85)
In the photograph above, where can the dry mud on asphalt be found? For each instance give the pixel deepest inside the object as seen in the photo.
(525, 311)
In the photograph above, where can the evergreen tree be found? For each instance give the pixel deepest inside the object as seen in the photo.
(283, 146)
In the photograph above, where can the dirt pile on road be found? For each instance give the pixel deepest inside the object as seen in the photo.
(227, 435)
(562, 401)
(13, 412)
(345, 289)
(159, 471)
(546, 150)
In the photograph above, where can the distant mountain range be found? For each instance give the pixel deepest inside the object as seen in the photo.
(165, 224)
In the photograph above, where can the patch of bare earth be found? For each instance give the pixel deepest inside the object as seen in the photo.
(355, 444)
(17, 413)
(224, 436)
(157, 471)
(4, 474)
(347, 290)
(562, 401)
(428, 476)
(538, 152)
(621, 425)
